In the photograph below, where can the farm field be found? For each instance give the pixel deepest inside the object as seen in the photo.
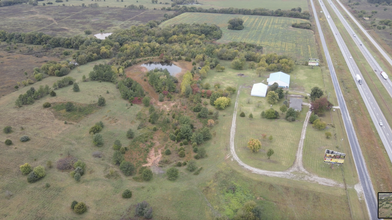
(249, 4)
(275, 34)
(71, 21)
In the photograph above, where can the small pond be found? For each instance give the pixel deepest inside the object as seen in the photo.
(173, 69)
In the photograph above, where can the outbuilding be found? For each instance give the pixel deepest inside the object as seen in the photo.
(259, 89)
(296, 104)
(281, 78)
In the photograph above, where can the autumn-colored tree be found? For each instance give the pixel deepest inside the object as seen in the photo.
(222, 102)
(210, 123)
(254, 145)
(320, 106)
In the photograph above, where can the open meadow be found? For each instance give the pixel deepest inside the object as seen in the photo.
(249, 4)
(275, 34)
(71, 21)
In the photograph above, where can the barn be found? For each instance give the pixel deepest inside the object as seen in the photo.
(281, 78)
(259, 90)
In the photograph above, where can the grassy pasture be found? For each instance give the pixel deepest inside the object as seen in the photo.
(275, 34)
(250, 4)
(70, 21)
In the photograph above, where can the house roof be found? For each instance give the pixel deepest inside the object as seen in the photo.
(296, 104)
(259, 89)
(279, 76)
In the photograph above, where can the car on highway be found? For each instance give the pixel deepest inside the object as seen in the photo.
(380, 123)
(354, 35)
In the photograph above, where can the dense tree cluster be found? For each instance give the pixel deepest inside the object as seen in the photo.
(31, 95)
(161, 80)
(256, 11)
(102, 72)
(130, 89)
(66, 81)
(53, 68)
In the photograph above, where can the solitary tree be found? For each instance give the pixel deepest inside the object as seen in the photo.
(236, 24)
(316, 93)
(172, 174)
(69, 106)
(101, 101)
(328, 135)
(76, 87)
(254, 145)
(250, 116)
(283, 108)
(269, 153)
(272, 97)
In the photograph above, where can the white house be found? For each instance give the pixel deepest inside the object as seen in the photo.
(259, 89)
(281, 78)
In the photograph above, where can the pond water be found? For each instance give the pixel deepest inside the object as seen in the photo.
(173, 69)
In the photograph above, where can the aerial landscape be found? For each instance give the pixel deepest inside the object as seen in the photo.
(195, 109)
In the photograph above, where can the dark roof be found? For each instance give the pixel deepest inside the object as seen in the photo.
(296, 104)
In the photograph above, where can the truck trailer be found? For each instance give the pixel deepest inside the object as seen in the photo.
(358, 78)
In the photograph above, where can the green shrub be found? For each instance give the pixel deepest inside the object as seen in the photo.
(178, 164)
(172, 174)
(80, 164)
(76, 87)
(46, 105)
(24, 138)
(117, 145)
(52, 93)
(242, 114)
(97, 140)
(101, 101)
(39, 171)
(161, 97)
(77, 177)
(146, 101)
(47, 185)
(172, 137)
(130, 134)
(8, 142)
(25, 168)
(147, 175)
(181, 153)
(167, 152)
(7, 129)
(95, 129)
(117, 158)
(127, 168)
(32, 177)
(313, 118)
(73, 204)
(127, 194)
(191, 166)
(80, 208)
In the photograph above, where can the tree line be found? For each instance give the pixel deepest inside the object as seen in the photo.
(297, 13)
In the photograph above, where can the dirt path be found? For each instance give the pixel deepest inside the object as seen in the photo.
(153, 159)
(296, 172)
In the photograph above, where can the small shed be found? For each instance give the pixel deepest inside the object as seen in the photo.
(281, 78)
(259, 89)
(296, 104)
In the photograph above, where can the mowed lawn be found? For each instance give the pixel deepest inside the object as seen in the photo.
(285, 135)
(275, 34)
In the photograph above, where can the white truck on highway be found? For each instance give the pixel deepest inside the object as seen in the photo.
(384, 75)
(358, 78)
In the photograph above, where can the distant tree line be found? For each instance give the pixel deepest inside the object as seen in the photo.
(12, 2)
(297, 13)
(380, 1)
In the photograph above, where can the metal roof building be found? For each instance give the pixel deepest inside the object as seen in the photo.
(281, 78)
(259, 89)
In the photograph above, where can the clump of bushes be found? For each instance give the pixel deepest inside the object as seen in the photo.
(242, 114)
(7, 129)
(130, 134)
(78, 207)
(127, 168)
(101, 101)
(24, 138)
(117, 145)
(143, 209)
(25, 168)
(96, 128)
(127, 194)
(147, 175)
(172, 174)
(66, 163)
(47, 105)
(80, 168)
(8, 142)
(37, 174)
(97, 140)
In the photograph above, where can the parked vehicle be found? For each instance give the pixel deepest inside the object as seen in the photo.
(358, 78)
(384, 75)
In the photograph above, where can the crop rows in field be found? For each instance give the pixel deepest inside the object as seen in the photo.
(275, 34)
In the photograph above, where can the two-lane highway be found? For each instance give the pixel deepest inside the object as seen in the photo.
(360, 165)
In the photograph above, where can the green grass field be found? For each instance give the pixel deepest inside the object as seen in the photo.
(275, 34)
